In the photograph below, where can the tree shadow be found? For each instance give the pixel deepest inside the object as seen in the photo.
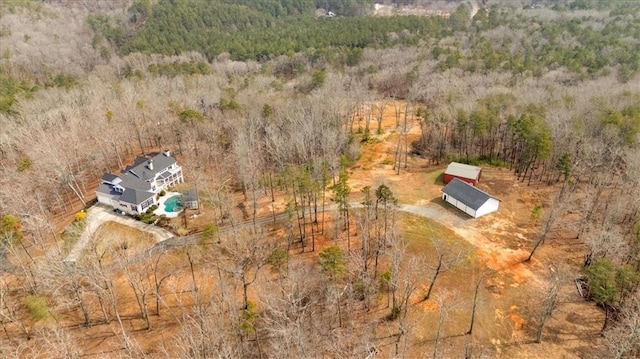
(587, 349)
(439, 180)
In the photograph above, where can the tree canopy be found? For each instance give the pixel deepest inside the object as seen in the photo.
(258, 29)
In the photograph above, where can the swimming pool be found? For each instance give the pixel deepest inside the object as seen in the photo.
(173, 204)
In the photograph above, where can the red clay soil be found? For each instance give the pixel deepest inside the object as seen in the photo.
(510, 293)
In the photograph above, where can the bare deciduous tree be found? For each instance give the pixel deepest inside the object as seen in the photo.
(548, 304)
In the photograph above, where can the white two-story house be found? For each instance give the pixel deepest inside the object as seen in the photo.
(135, 189)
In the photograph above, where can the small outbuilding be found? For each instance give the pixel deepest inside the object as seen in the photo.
(467, 173)
(469, 199)
(190, 199)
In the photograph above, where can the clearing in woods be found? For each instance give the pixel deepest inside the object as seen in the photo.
(512, 291)
(488, 250)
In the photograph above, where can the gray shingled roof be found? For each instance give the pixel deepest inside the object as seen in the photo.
(135, 178)
(108, 177)
(141, 165)
(464, 192)
(136, 162)
(133, 182)
(106, 189)
(135, 197)
(189, 195)
(137, 175)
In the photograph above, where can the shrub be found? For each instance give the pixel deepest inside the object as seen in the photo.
(366, 136)
(11, 228)
(210, 230)
(24, 164)
(71, 235)
(190, 116)
(38, 307)
(249, 316)
(148, 217)
(81, 216)
(279, 258)
(395, 313)
(385, 281)
(62, 80)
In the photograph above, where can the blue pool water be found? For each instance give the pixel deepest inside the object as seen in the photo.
(172, 204)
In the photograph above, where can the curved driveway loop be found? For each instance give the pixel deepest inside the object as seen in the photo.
(99, 214)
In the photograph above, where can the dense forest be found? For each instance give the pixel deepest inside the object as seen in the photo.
(246, 33)
(272, 107)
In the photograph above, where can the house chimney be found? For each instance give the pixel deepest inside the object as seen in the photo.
(150, 165)
(167, 153)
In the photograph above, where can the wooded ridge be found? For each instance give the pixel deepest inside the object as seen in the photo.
(304, 125)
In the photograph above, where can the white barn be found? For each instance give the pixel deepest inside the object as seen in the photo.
(469, 199)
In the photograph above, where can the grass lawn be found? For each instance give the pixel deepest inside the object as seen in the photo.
(420, 187)
(112, 240)
(454, 287)
(421, 234)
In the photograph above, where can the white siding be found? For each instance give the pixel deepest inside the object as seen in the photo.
(461, 206)
(491, 205)
(127, 208)
(470, 212)
(104, 199)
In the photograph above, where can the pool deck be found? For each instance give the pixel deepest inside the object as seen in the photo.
(160, 211)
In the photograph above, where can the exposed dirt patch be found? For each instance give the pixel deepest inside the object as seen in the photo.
(500, 242)
(487, 252)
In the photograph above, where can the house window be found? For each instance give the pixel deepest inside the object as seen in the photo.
(146, 204)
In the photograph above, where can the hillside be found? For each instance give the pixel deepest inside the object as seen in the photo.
(316, 145)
